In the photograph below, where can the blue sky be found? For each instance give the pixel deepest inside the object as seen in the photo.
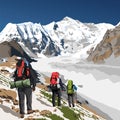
(46, 11)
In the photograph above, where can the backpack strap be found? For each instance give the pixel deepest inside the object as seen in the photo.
(22, 83)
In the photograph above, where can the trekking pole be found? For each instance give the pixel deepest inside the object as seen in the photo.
(76, 97)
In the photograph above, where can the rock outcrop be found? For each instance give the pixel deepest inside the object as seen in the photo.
(108, 46)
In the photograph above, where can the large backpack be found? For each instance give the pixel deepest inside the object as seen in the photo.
(53, 80)
(54, 77)
(22, 70)
(70, 89)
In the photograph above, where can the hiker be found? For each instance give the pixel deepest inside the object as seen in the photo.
(71, 88)
(22, 72)
(56, 86)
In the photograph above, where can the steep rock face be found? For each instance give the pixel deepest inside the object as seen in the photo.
(108, 46)
(9, 49)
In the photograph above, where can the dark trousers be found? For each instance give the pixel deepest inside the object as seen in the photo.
(22, 93)
(71, 100)
(55, 94)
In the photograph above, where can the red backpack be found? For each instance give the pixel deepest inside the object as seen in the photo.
(23, 71)
(54, 76)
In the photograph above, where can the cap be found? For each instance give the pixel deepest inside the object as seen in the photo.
(18, 58)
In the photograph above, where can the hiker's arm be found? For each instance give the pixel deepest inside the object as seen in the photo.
(33, 78)
(61, 84)
(14, 75)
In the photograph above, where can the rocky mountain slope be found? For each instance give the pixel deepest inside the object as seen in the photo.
(8, 49)
(8, 66)
(109, 46)
(42, 107)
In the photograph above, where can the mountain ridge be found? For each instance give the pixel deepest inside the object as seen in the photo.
(65, 37)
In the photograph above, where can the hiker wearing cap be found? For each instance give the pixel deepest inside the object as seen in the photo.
(24, 71)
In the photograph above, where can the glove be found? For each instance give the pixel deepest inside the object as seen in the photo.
(63, 89)
(33, 89)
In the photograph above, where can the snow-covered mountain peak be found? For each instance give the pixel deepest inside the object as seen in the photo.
(71, 21)
(76, 35)
(65, 37)
(68, 19)
(9, 28)
(8, 32)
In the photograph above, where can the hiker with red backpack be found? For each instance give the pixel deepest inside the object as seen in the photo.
(56, 85)
(24, 71)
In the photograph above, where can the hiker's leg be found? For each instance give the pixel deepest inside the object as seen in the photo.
(21, 96)
(28, 92)
(53, 97)
(59, 98)
(69, 101)
(72, 96)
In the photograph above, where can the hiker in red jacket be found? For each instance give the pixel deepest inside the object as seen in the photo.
(22, 72)
(56, 86)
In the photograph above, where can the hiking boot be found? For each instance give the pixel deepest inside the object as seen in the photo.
(30, 111)
(73, 105)
(21, 115)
